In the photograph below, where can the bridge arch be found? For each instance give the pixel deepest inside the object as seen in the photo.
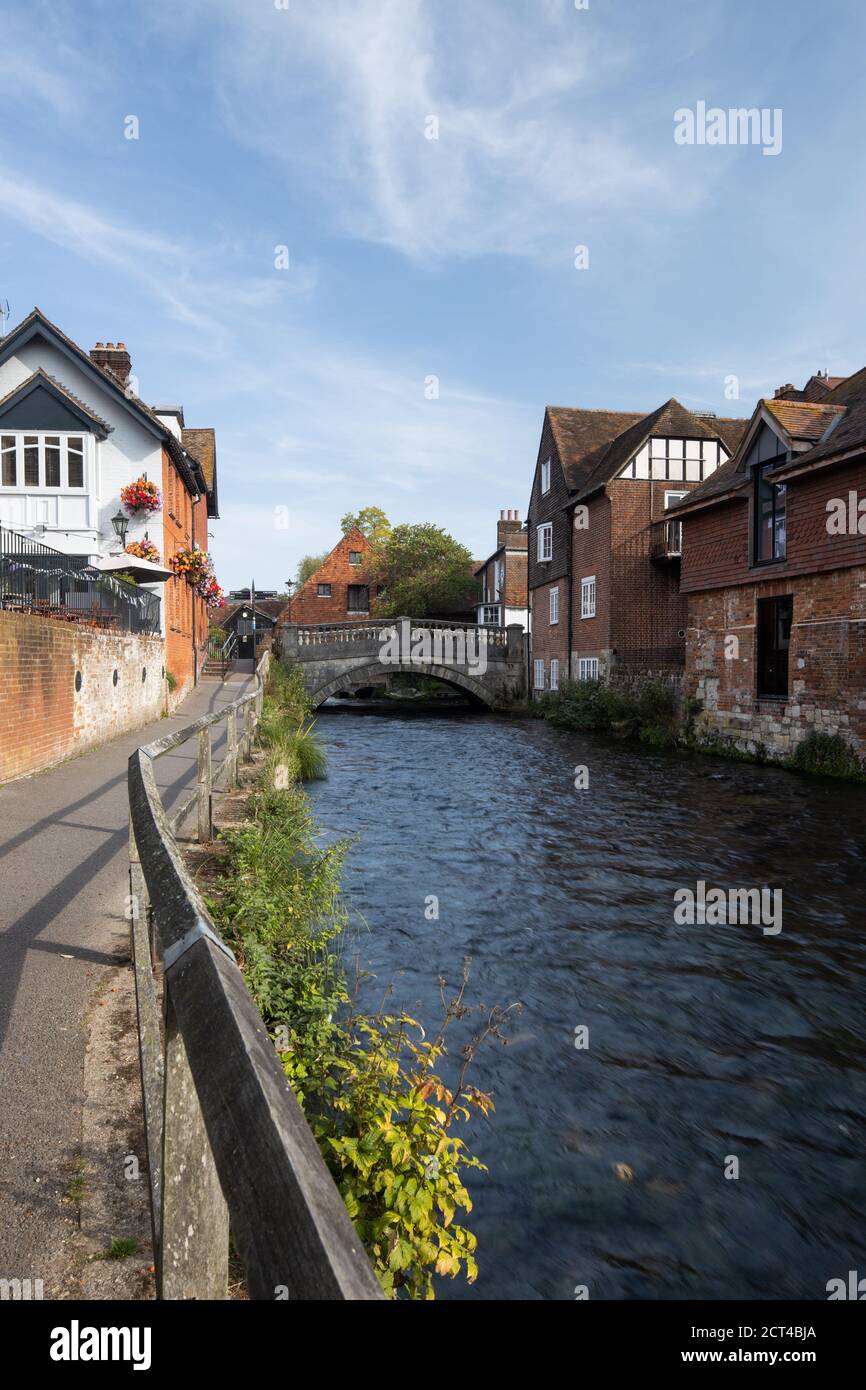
(359, 675)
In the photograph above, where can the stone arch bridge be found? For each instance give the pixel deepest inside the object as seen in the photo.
(488, 664)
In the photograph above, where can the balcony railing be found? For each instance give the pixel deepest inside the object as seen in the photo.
(34, 578)
(666, 540)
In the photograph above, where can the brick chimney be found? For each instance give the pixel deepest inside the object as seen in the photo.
(115, 359)
(509, 524)
(788, 392)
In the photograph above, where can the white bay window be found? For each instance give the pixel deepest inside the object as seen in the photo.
(36, 461)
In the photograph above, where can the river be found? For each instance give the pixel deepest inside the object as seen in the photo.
(705, 1043)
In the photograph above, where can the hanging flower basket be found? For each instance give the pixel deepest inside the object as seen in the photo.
(144, 550)
(196, 567)
(141, 496)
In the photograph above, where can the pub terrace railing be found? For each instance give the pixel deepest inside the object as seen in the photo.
(35, 578)
(229, 1150)
(666, 539)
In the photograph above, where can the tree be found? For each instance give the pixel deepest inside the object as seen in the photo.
(307, 565)
(371, 520)
(421, 570)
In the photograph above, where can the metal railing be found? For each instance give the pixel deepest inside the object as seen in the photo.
(35, 578)
(229, 1149)
(221, 649)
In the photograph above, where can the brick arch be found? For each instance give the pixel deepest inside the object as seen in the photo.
(355, 675)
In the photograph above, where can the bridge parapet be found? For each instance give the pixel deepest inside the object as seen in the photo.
(489, 662)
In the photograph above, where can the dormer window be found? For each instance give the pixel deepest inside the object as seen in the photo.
(42, 461)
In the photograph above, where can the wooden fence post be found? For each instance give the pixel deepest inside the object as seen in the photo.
(205, 820)
(248, 731)
(194, 1253)
(149, 1039)
(232, 748)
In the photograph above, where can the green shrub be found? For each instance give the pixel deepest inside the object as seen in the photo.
(827, 755)
(171, 680)
(584, 706)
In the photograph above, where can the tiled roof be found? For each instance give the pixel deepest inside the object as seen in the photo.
(850, 433)
(202, 445)
(803, 420)
(595, 444)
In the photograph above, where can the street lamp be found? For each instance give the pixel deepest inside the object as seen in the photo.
(121, 526)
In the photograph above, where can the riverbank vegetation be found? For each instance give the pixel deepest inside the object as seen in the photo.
(652, 713)
(369, 1084)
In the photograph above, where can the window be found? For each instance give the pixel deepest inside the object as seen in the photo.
(31, 461)
(587, 669)
(774, 639)
(7, 452)
(490, 616)
(52, 460)
(500, 578)
(554, 605)
(676, 460)
(545, 476)
(554, 673)
(545, 541)
(359, 598)
(769, 515)
(42, 460)
(323, 591)
(354, 557)
(75, 461)
(539, 674)
(587, 597)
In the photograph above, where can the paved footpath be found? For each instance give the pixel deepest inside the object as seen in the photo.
(63, 886)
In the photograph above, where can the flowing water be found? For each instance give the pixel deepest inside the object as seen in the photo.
(706, 1043)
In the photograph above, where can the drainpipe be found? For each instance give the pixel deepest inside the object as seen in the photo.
(195, 502)
(570, 515)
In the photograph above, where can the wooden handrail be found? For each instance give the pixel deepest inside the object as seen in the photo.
(228, 1144)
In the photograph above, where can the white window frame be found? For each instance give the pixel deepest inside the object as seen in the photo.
(554, 673)
(554, 606)
(545, 478)
(587, 668)
(588, 596)
(544, 542)
(486, 620)
(41, 436)
(538, 673)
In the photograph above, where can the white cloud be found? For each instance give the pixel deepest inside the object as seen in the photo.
(529, 148)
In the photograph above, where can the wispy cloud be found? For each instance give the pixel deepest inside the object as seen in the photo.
(527, 150)
(188, 280)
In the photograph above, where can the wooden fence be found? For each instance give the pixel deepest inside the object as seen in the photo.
(229, 1150)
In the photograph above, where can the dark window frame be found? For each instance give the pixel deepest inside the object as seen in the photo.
(765, 490)
(354, 589)
(774, 619)
(323, 591)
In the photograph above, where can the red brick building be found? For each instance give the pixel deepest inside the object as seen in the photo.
(774, 572)
(603, 561)
(503, 576)
(339, 589)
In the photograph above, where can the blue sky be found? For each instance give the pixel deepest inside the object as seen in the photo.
(411, 258)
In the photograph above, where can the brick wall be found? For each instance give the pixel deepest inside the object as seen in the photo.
(591, 556)
(306, 606)
(826, 661)
(186, 615)
(43, 718)
(716, 542)
(549, 639)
